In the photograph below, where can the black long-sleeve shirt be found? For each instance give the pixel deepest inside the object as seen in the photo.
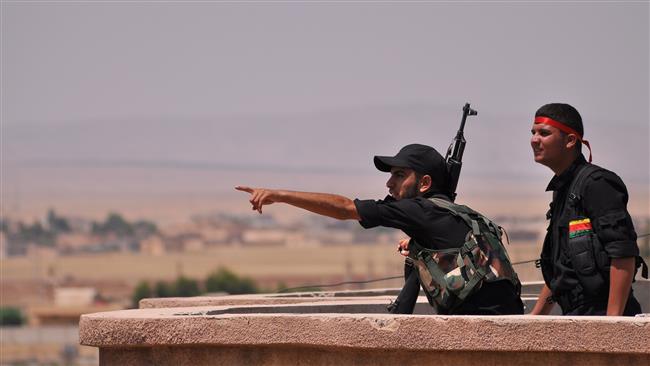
(603, 200)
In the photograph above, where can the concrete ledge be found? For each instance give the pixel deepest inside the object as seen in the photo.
(205, 326)
(353, 328)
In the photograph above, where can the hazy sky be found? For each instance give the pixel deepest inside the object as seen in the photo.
(299, 88)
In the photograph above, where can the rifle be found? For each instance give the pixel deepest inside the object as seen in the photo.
(455, 151)
(407, 298)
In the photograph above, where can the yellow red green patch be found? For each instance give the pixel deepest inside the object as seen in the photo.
(579, 227)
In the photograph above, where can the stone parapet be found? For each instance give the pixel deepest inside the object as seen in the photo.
(270, 335)
(327, 329)
(238, 327)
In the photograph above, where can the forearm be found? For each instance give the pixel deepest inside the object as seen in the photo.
(543, 306)
(620, 281)
(325, 204)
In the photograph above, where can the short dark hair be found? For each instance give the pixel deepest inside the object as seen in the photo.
(563, 113)
(567, 115)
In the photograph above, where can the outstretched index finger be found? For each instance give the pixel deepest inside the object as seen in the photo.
(244, 189)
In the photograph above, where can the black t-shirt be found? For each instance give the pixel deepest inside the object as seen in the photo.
(436, 228)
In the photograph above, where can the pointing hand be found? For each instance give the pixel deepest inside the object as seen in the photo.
(259, 196)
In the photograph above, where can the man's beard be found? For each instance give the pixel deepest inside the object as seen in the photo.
(413, 191)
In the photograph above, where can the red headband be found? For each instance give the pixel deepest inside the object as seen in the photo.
(564, 128)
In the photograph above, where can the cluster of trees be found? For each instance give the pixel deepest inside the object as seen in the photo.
(37, 232)
(116, 224)
(45, 233)
(220, 280)
(11, 316)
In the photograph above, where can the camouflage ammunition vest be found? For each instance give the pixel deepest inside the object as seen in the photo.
(449, 276)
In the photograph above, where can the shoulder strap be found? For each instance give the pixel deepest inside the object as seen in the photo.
(448, 205)
(583, 174)
(576, 188)
(469, 216)
(461, 211)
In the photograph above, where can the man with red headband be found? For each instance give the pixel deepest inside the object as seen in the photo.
(590, 255)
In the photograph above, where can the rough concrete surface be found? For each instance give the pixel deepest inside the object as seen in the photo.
(195, 326)
(354, 329)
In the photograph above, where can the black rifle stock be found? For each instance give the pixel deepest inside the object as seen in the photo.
(454, 156)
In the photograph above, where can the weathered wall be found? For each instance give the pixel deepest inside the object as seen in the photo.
(204, 335)
(294, 355)
(331, 329)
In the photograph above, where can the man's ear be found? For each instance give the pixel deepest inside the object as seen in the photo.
(571, 141)
(425, 184)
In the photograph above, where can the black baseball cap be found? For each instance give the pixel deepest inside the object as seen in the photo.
(421, 158)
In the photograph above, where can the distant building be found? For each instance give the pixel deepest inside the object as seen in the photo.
(40, 251)
(300, 239)
(74, 296)
(215, 235)
(75, 241)
(265, 236)
(153, 245)
(69, 304)
(193, 244)
(334, 236)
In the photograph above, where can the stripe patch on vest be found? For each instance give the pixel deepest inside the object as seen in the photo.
(579, 227)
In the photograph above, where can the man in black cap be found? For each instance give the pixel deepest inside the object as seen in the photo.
(417, 173)
(590, 252)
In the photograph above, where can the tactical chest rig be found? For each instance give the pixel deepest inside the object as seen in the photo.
(576, 245)
(449, 276)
